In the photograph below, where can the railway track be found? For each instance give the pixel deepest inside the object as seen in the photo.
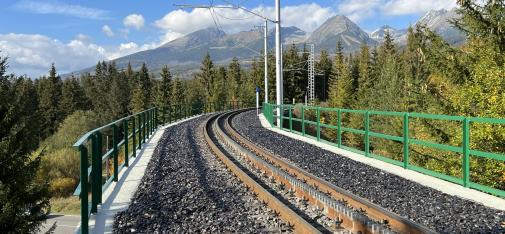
(349, 212)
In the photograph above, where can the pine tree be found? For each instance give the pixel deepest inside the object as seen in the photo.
(50, 92)
(23, 203)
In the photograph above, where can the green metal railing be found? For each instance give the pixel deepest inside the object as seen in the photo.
(270, 113)
(116, 143)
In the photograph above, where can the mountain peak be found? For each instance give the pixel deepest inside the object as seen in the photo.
(340, 28)
(380, 33)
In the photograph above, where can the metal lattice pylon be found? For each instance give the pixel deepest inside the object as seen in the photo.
(311, 92)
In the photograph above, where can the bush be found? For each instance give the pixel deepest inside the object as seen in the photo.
(60, 163)
(61, 187)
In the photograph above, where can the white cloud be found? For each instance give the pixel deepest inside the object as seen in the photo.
(108, 31)
(129, 48)
(358, 10)
(169, 36)
(134, 21)
(405, 7)
(60, 8)
(83, 37)
(32, 54)
(180, 22)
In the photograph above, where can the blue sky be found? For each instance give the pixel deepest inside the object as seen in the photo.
(76, 34)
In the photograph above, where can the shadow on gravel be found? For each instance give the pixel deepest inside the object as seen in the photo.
(202, 169)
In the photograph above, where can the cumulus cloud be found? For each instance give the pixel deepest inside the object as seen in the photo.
(134, 21)
(180, 22)
(358, 10)
(404, 7)
(60, 8)
(129, 48)
(108, 31)
(32, 54)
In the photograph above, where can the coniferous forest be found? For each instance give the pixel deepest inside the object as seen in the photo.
(42, 117)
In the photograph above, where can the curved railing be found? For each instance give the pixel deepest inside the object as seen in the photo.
(106, 150)
(403, 118)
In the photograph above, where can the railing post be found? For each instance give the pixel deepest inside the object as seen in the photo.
(291, 119)
(126, 156)
(339, 128)
(281, 115)
(99, 165)
(170, 114)
(115, 150)
(148, 122)
(134, 134)
(466, 152)
(367, 133)
(95, 180)
(318, 115)
(303, 120)
(84, 189)
(140, 131)
(406, 140)
(144, 125)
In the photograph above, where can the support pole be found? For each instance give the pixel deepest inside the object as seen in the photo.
(278, 59)
(265, 31)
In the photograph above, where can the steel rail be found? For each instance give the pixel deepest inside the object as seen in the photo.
(395, 222)
(299, 224)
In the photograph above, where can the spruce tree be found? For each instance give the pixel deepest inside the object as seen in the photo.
(50, 92)
(233, 79)
(141, 99)
(119, 97)
(483, 20)
(206, 75)
(322, 82)
(340, 94)
(220, 87)
(24, 204)
(164, 88)
(73, 97)
(294, 85)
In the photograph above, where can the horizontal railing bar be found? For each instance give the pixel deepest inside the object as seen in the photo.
(486, 120)
(436, 117)
(357, 131)
(385, 136)
(436, 145)
(387, 113)
(490, 155)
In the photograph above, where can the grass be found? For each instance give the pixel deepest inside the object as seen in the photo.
(65, 205)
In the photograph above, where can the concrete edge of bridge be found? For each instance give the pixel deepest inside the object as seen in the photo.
(426, 180)
(117, 197)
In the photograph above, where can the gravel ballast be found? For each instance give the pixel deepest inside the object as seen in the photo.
(186, 189)
(439, 211)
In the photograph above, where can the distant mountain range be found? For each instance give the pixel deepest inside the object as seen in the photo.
(184, 54)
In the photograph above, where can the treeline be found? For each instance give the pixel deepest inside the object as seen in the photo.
(41, 118)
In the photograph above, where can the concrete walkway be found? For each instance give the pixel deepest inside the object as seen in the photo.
(118, 196)
(64, 223)
(426, 180)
